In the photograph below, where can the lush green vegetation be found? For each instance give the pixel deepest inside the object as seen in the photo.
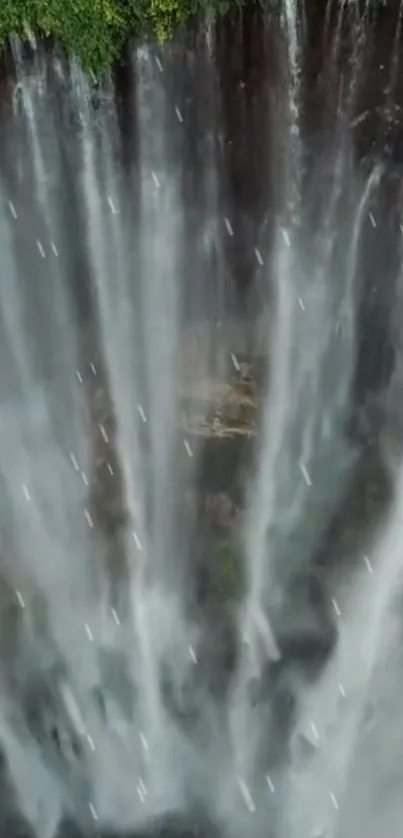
(95, 30)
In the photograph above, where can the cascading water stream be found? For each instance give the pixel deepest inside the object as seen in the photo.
(280, 347)
(302, 424)
(50, 557)
(117, 748)
(320, 786)
(139, 313)
(115, 308)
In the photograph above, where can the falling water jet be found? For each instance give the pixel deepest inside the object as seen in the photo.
(299, 355)
(13, 210)
(360, 646)
(128, 322)
(117, 361)
(229, 226)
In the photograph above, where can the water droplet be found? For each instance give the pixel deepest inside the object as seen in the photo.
(88, 518)
(333, 798)
(336, 607)
(228, 226)
(259, 257)
(314, 730)
(112, 206)
(142, 786)
(159, 65)
(89, 632)
(305, 473)
(54, 249)
(26, 492)
(74, 462)
(142, 414)
(140, 793)
(20, 599)
(12, 210)
(285, 236)
(188, 448)
(104, 434)
(93, 811)
(73, 709)
(270, 784)
(137, 541)
(368, 564)
(93, 368)
(115, 617)
(40, 248)
(90, 742)
(79, 376)
(144, 742)
(178, 114)
(235, 362)
(246, 795)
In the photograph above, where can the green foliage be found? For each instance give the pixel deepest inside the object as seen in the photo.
(166, 15)
(95, 30)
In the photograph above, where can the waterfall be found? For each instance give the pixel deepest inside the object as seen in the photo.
(111, 721)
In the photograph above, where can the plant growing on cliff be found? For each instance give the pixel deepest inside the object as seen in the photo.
(96, 30)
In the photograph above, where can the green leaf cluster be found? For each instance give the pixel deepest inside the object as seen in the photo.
(96, 30)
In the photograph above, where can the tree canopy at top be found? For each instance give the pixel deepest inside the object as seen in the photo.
(95, 30)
